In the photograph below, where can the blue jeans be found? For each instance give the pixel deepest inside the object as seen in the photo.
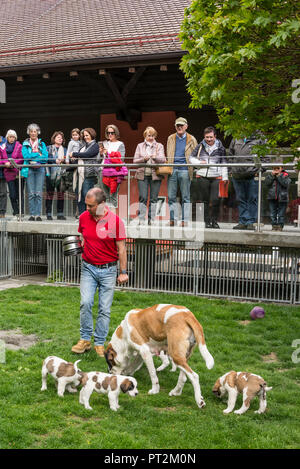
(88, 184)
(144, 186)
(91, 279)
(246, 193)
(35, 182)
(277, 212)
(182, 179)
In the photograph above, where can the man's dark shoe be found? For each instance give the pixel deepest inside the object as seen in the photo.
(61, 217)
(171, 223)
(239, 227)
(31, 219)
(215, 225)
(49, 217)
(38, 219)
(208, 224)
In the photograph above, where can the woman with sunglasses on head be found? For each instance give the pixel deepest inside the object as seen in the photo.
(112, 144)
(85, 177)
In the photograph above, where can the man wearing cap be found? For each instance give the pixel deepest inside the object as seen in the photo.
(179, 147)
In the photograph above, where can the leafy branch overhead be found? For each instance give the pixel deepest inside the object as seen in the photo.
(243, 58)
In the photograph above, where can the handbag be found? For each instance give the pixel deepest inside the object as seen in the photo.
(223, 189)
(164, 170)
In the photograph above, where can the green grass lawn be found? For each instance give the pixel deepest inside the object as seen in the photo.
(30, 418)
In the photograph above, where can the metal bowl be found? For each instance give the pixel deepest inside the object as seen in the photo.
(72, 246)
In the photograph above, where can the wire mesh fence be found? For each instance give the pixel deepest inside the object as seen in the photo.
(212, 270)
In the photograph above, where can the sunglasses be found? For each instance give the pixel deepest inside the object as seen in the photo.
(111, 133)
(180, 125)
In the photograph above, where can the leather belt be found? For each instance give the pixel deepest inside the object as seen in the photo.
(103, 266)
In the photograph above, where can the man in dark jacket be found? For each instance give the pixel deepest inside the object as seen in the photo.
(278, 196)
(243, 178)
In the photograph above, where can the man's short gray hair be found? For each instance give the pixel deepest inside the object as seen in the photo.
(98, 194)
(33, 127)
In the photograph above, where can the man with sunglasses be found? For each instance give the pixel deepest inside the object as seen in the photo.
(179, 147)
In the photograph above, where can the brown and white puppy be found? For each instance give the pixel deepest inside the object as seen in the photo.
(66, 374)
(104, 383)
(166, 362)
(248, 384)
(163, 327)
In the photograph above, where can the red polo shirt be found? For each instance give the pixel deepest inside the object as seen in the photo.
(100, 237)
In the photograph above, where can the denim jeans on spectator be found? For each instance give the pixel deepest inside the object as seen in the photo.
(51, 191)
(105, 280)
(13, 187)
(144, 186)
(277, 212)
(35, 183)
(3, 196)
(88, 184)
(246, 193)
(181, 179)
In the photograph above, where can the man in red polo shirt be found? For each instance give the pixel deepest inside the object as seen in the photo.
(103, 238)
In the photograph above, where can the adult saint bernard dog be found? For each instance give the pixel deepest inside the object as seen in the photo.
(144, 332)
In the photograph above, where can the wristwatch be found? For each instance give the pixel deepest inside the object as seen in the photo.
(124, 271)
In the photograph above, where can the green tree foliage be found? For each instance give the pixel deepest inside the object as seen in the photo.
(243, 58)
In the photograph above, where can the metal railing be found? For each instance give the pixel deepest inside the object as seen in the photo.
(261, 167)
(5, 252)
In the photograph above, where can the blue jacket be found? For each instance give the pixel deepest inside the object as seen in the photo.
(29, 156)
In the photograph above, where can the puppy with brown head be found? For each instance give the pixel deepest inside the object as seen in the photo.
(248, 384)
(66, 374)
(104, 383)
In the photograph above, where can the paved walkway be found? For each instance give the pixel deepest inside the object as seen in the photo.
(7, 283)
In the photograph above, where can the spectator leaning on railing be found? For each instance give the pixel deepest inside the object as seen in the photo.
(85, 177)
(148, 152)
(12, 149)
(35, 153)
(210, 150)
(278, 195)
(243, 178)
(179, 147)
(54, 179)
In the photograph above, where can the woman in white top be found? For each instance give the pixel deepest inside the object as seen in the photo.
(112, 143)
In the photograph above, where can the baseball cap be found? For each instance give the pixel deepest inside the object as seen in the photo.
(181, 120)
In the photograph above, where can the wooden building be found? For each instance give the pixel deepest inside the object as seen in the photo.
(87, 63)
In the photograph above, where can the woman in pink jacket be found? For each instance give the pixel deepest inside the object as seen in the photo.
(12, 149)
(149, 152)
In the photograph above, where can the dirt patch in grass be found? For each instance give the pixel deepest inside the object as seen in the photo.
(244, 323)
(31, 302)
(271, 358)
(15, 340)
(166, 409)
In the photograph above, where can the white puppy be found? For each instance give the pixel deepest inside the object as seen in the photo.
(248, 384)
(66, 374)
(103, 383)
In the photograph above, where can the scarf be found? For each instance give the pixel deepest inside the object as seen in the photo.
(9, 147)
(34, 145)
